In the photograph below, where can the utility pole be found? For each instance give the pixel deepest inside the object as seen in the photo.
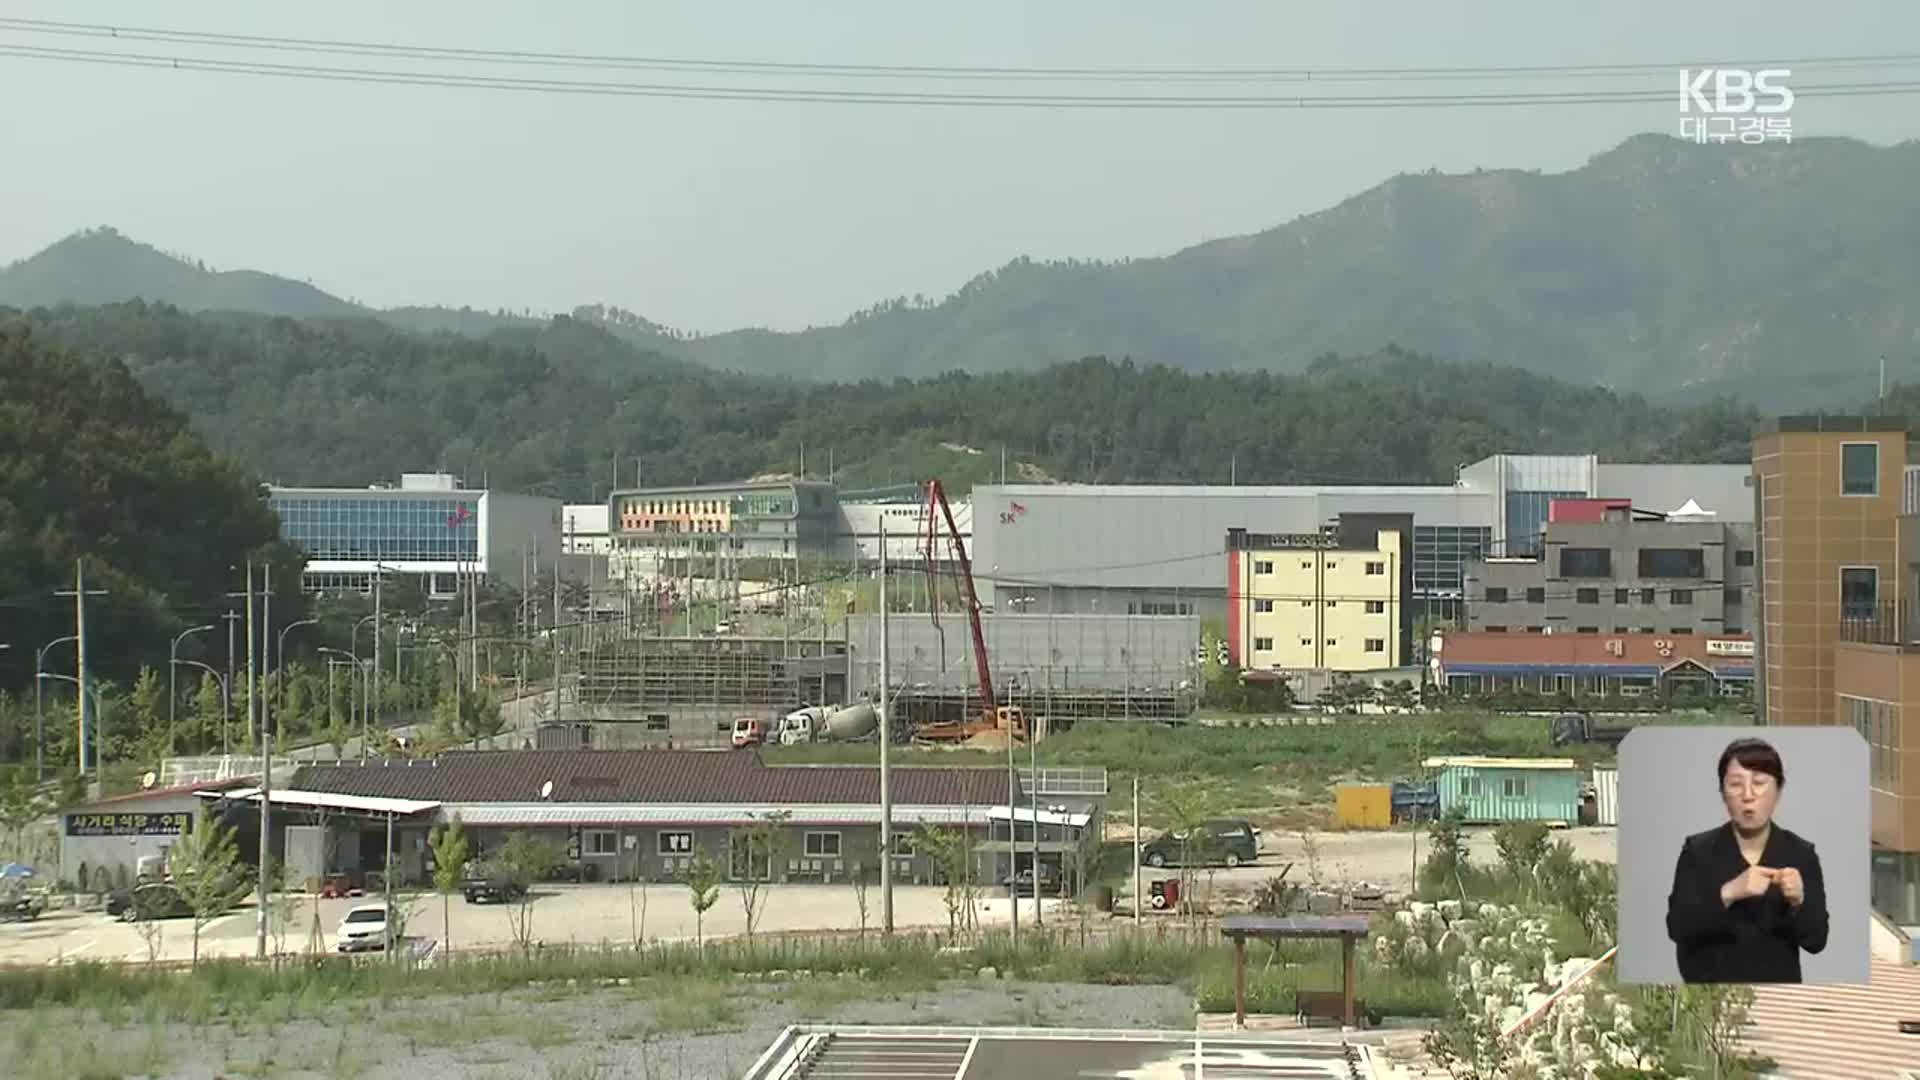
(1013, 848)
(373, 689)
(226, 713)
(266, 776)
(886, 736)
(253, 636)
(1136, 853)
(556, 639)
(80, 592)
(1033, 800)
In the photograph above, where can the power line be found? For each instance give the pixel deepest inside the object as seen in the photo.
(669, 91)
(332, 46)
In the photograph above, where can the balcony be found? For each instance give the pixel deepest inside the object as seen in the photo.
(1881, 624)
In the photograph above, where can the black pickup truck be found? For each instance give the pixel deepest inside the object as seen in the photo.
(490, 883)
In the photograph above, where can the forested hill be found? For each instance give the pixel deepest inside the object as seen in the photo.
(552, 408)
(1776, 273)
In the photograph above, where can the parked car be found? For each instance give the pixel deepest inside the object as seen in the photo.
(153, 900)
(364, 928)
(1220, 842)
(486, 882)
(1022, 882)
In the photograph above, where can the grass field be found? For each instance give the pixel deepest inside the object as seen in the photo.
(1280, 777)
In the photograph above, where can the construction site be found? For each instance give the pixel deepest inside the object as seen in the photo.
(953, 671)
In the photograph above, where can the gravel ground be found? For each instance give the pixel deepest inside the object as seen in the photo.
(647, 1031)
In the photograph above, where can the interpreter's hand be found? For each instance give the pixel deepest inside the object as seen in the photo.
(1791, 887)
(1755, 882)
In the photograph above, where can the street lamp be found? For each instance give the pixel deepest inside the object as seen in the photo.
(173, 673)
(39, 719)
(99, 710)
(280, 671)
(364, 734)
(226, 703)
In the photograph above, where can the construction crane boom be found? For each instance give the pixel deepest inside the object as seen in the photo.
(939, 511)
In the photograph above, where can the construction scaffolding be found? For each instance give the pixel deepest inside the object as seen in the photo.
(1054, 710)
(749, 676)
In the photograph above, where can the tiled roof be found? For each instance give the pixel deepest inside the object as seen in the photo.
(1587, 650)
(647, 776)
(158, 793)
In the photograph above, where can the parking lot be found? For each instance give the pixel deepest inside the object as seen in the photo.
(560, 914)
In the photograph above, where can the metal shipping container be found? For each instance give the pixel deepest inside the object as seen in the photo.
(1490, 790)
(1606, 796)
(1364, 806)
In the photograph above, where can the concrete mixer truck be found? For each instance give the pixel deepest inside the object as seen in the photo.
(820, 723)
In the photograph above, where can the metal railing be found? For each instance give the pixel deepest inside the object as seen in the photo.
(1880, 624)
(1065, 780)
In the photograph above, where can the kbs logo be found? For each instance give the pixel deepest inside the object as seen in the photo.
(1727, 104)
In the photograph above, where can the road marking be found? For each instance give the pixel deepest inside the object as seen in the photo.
(972, 1045)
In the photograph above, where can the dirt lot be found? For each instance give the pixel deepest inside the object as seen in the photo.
(650, 1029)
(1385, 859)
(577, 914)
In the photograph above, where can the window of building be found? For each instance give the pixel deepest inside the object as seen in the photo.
(1306, 643)
(1376, 607)
(1586, 562)
(1331, 642)
(822, 845)
(1743, 557)
(675, 843)
(1586, 596)
(1263, 606)
(1673, 563)
(1536, 629)
(1263, 566)
(1306, 603)
(1622, 630)
(1496, 629)
(599, 842)
(1263, 644)
(1496, 594)
(1537, 595)
(1648, 630)
(1375, 644)
(1306, 564)
(1859, 591)
(1333, 603)
(1621, 596)
(1469, 786)
(1647, 595)
(1860, 468)
(1375, 569)
(1513, 787)
(1333, 564)
(1680, 597)
(1681, 630)
(1586, 630)
(657, 721)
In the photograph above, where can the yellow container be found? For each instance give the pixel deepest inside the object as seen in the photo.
(1364, 806)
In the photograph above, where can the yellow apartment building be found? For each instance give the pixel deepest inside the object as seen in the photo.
(1298, 601)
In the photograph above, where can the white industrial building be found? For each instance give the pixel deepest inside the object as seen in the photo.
(429, 526)
(1157, 549)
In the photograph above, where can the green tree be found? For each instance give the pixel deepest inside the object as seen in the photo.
(521, 861)
(208, 715)
(754, 852)
(20, 807)
(450, 853)
(207, 870)
(1522, 846)
(702, 879)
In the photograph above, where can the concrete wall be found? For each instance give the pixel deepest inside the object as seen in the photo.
(516, 526)
(1078, 651)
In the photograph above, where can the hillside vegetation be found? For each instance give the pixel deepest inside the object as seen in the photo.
(553, 408)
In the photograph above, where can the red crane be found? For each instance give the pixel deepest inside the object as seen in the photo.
(938, 510)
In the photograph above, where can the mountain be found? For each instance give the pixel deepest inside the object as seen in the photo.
(1778, 273)
(565, 407)
(1660, 265)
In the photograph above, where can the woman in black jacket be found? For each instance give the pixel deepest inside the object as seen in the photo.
(1748, 896)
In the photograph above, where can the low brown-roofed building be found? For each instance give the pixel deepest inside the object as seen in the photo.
(642, 814)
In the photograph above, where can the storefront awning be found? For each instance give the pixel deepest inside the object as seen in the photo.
(328, 800)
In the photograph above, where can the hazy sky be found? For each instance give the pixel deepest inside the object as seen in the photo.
(712, 215)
